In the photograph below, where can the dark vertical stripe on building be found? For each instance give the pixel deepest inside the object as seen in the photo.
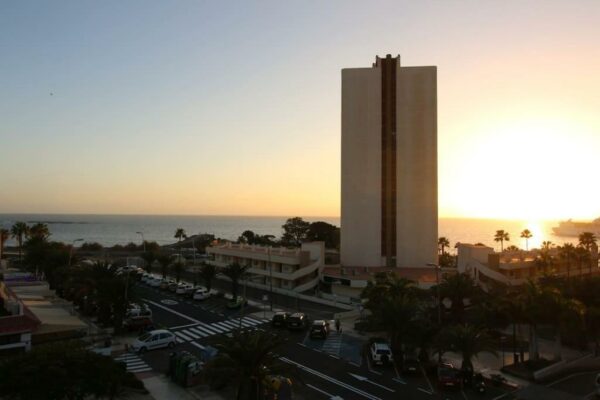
(388, 67)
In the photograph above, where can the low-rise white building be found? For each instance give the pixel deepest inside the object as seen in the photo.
(517, 267)
(294, 270)
(17, 323)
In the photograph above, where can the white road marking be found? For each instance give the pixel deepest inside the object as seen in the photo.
(424, 390)
(399, 381)
(198, 345)
(199, 332)
(191, 333)
(183, 336)
(332, 380)
(331, 397)
(171, 311)
(365, 379)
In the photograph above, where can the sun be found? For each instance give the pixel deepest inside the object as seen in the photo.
(528, 170)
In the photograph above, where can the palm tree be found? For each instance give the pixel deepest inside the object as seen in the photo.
(18, 231)
(443, 242)
(587, 239)
(164, 260)
(547, 245)
(149, 257)
(208, 272)
(567, 253)
(39, 230)
(395, 316)
(501, 237)
(583, 257)
(469, 341)
(178, 267)
(458, 288)
(235, 272)
(512, 247)
(526, 234)
(4, 235)
(245, 359)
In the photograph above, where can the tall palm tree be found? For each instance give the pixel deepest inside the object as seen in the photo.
(208, 272)
(501, 236)
(149, 257)
(526, 234)
(164, 260)
(235, 272)
(583, 257)
(4, 235)
(19, 231)
(178, 268)
(245, 359)
(587, 239)
(39, 230)
(443, 242)
(567, 254)
(458, 288)
(467, 340)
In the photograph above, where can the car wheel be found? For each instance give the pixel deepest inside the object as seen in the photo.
(171, 345)
(142, 350)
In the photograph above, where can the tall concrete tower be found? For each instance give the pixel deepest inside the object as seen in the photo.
(389, 165)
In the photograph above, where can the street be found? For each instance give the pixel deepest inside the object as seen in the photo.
(335, 368)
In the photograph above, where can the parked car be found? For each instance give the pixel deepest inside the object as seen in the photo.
(410, 362)
(280, 319)
(138, 324)
(155, 282)
(164, 284)
(182, 288)
(448, 376)
(297, 321)
(139, 312)
(173, 286)
(154, 340)
(320, 329)
(237, 303)
(201, 294)
(381, 353)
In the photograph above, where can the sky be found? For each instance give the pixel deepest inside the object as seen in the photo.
(233, 108)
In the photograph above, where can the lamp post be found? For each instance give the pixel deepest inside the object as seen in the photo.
(439, 305)
(270, 277)
(72, 246)
(143, 240)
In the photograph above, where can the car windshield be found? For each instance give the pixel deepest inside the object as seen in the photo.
(145, 337)
(383, 351)
(295, 319)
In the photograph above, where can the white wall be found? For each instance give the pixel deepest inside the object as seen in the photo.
(416, 160)
(361, 167)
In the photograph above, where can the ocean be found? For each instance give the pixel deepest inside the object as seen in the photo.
(109, 230)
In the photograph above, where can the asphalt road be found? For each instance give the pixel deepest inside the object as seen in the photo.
(323, 371)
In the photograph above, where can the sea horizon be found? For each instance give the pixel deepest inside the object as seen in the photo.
(112, 229)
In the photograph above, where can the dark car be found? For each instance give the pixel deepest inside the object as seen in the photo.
(448, 376)
(410, 363)
(280, 319)
(320, 329)
(138, 324)
(297, 321)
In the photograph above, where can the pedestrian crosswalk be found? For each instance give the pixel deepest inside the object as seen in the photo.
(333, 343)
(202, 330)
(134, 363)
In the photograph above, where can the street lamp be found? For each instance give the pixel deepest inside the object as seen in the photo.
(143, 240)
(439, 305)
(72, 246)
(270, 277)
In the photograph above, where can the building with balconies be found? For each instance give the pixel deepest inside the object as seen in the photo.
(17, 323)
(293, 270)
(519, 266)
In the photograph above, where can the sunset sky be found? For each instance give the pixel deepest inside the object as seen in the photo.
(190, 107)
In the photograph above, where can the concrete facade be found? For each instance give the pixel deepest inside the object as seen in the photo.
(389, 165)
(293, 270)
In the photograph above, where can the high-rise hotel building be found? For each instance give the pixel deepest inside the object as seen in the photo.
(389, 165)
